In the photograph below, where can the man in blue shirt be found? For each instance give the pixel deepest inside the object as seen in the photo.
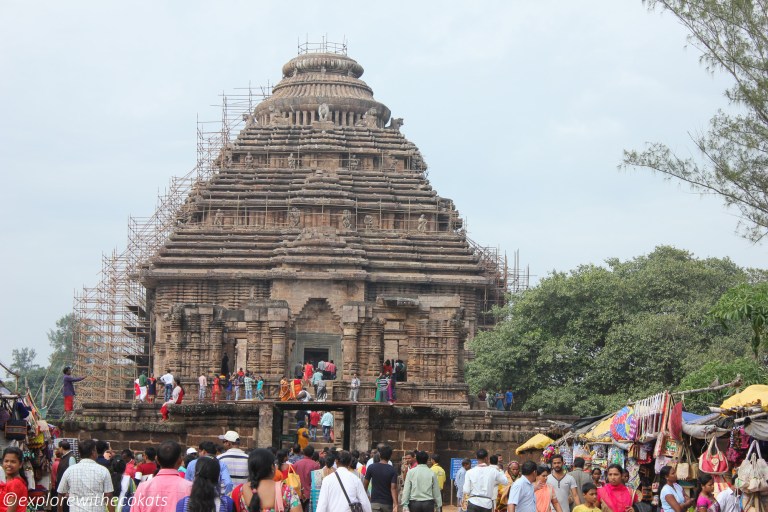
(521, 496)
(208, 449)
(509, 399)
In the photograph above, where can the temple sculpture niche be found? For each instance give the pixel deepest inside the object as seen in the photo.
(319, 237)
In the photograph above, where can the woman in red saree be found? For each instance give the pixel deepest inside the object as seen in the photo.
(614, 496)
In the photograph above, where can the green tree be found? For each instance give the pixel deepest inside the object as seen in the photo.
(732, 36)
(745, 302)
(24, 360)
(588, 340)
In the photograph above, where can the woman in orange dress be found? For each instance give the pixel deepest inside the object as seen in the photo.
(285, 390)
(216, 390)
(545, 494)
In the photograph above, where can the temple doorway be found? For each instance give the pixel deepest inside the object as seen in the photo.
(241, 354)
(315, 355)
(285, 424)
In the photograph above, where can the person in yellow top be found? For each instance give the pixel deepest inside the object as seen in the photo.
(303, 435)
(434, 465)
(590, 499)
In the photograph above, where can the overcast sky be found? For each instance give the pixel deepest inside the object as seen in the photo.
(521, 109)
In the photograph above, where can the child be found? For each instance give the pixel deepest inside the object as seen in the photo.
(13, 492)
(590, 499)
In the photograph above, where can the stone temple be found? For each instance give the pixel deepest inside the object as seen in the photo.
(315, 235)
(320, 237)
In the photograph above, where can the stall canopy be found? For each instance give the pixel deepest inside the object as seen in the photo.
(537, 442)
(752, 396)
(601, 431)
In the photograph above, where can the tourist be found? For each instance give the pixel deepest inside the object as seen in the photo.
(263, 493)
(248, 384)
(481, 483)
(136, 389)
(304, 396)
(320, 366)
(322, 391)
(580, 476)
(499, 401)
(216, 389)
(149, 467)
(382, 385)
(304, 468)
(597, 477)
(616, 496)
(727, 499)
(522, 496)
(391, 382)
(103, 453)
(308, 373)
(234, 458)
(285, 389)
(327, 423)
(386, 369)
(66, 459)
(116, 469)
(354, 388)
(237, 382)
(151, 388)
(671, 497)
(399, 370)
(167, 381)
(563, 484)
(86, 482)
(421, 491)
(202, 385)
(546, 499)
(143, 386)
(302, 436)
(205, 495)
(188, 458)
(345, 487)
(68, 391)
(491, 400)
(437, 469)
(382, 478)
(314, 422)
(330, 370)
(458, 481)
(13, 491)
(163, 492)
(298, 370)
(177, 396)
(295, 454)
(208, 449)
(317, 378)
(260, 388)
(512, 473)
(589, 504)
(226, 386)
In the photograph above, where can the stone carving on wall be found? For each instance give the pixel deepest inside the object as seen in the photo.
(370, 119)
(369, 222)
(250, 120)
(291, 161)
(354, 162)
(218, 218)
(395, 123)
(346, 219)
(249, 160)
(422, 226)
(294, 217)
(322, 112)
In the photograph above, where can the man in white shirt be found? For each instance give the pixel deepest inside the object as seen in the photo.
(234, 458)
(202, 383)
(332, 497)
(86, 486)
(727, 499)
(167, 380)
(481, 483)
(354, 388)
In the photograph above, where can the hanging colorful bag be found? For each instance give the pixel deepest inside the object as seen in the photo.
(753, 472)
(713, 461)
(16, 430)
(293, 480)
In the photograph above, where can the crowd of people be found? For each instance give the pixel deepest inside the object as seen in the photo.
(534, 487)
(501, 401)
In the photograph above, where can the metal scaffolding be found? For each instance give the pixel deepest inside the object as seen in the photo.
(112, 345)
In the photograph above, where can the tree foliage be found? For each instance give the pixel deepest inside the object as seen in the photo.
(588, 340)
(745, 302)
(32, 375)
(732, 36)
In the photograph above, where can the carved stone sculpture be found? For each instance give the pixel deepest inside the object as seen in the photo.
(422, 226)
(249, 160)
(291, 161)
(322, 112)
(368, 221)
(294, 217)
(218, 218)
(395, 123)
(346, 219)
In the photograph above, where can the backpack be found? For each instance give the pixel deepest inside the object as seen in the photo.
(128, 498)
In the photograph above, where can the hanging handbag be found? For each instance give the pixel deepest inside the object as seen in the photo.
(713, 461)
(753, 472)
(16, 430)
(353, 507)
(687, 469)
(293, 480)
